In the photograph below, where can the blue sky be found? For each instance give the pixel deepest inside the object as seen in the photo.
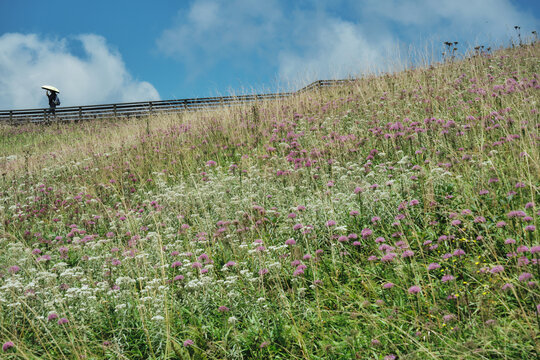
(117, 51)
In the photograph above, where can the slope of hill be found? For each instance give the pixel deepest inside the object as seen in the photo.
(395, 217)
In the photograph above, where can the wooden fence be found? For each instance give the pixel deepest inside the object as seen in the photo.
(137, 109)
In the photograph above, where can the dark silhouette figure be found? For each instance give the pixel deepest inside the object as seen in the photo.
(53, 101)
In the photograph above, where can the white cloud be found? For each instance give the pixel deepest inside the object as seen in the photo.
(487, 20)
(212, 30)
(337, 49)
(375, 32)
(340, 49)
(99, 76)
(333, 38)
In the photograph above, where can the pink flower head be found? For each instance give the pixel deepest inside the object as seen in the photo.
(203, 257)
(407, 254)
(515, 213)
(45, 257)
(366, 232)
(459, 252)
(414, 289)
(290, 242)
(388, 285)
(446, 278)
(52, 316)
(188, 342)
(330, 223)
(8, 345)
(500, 224)
(62, 321)
(433, 266)
(295, 263)
(449, 317)
(525, 276)
(299, 271)
(388, 257)
(507, 286)
(223, 308)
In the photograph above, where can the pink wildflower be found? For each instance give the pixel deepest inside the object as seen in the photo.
(188, 342)
(290, 242)
(8, 345)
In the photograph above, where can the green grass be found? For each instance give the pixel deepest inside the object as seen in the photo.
(166, 237)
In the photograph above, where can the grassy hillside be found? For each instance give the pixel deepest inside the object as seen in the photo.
(393, 218)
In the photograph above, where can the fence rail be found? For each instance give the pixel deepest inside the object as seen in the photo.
(137, 109)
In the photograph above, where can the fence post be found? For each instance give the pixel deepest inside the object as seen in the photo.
(150, 107)
(114, 110)
(11, 116)
(80, 113)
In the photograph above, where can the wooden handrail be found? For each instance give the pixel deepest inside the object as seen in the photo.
(76, 113)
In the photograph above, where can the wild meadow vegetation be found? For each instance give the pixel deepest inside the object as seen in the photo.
(395, 217)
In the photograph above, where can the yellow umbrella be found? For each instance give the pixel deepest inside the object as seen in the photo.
(51, 88)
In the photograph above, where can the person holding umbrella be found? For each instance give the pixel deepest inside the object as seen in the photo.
(54, 100)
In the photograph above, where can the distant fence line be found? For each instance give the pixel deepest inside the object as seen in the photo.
(137, 109)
